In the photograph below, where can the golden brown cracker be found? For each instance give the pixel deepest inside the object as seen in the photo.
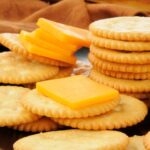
(112, 66)
(74, 139)
(123, 28)
(42, 105)
(125, 75)
(129, 86)
(121, 56)
(16, 69)
(11, 41)
(41, 125)
(129, 112)
(119, 45)
(11, 111)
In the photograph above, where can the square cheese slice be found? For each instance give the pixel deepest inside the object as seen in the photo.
(49, 53)
(32, 38)
(68, 33)
(48, 37)
(77, 92)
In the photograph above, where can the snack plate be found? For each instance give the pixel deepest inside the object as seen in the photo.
(9, 136)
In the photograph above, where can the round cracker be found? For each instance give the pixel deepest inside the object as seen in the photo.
(11, 111)
(136, 143)
(42, 105)
(121, 56)
(74, 139)
(11, 41)
(147, 141)
(129, 86)
(125, 75)
(41, 125)
(112, 66)
(123, 28)
(63, 72)
(119, 45)
(129, 112)
(16, 69)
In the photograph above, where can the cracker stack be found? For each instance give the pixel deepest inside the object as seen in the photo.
(48, 52)
(120, 54)
(125, 110)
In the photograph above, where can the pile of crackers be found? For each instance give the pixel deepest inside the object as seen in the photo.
(120, 57)
(19, 67)
(19, 72)
(120, 54)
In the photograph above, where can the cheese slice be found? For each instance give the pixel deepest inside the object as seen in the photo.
(63, 32)
(48, 37)
(30, 37)
(77, 92)
(34, 49)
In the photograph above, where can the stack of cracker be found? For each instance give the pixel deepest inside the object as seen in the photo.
(45, 53)
(79, 102)
(33, 57)
(120, 54)
(18, 66)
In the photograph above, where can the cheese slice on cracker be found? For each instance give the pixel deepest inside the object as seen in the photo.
(65, 33)
(77, 91)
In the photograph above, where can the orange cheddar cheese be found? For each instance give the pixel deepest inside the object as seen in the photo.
(30, 37)
(42, 34)
(63, 32)
(77, 92)
(34, 49)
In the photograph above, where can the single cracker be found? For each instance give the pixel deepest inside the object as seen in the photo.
(123, 28)
(41, 125)
(129, 112)
(136, 143)
(147, 141)
(120, 67)
(125, 75)
(42, 105)
(64, 72)
(121, 56)
(16, 69)
(11, 111)
(11, 41)
(119, 45)
(74, 139)
(129, 86)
